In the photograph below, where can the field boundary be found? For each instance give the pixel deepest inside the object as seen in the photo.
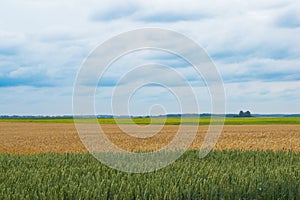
(167, 121)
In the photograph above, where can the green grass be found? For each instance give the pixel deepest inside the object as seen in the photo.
(220, 175)
(170, 121)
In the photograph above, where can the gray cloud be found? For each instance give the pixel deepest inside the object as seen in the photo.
(290, 19)
(151, 12)
(26, 76)
(115, 11)
(170, 17)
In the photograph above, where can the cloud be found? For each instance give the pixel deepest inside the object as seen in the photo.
(58, 36)
(150, 12)
(10, 43)
(43, 59)
(151, 73)
(264, 70)
(289, 19)
(110, 12)
(8, 51)
(170, 17)
(26, 76)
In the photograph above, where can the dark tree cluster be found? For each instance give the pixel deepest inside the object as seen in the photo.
(245, 114)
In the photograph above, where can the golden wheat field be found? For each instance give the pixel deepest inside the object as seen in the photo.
(33, 138)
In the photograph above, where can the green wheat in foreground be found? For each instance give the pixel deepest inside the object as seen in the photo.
(221, 175)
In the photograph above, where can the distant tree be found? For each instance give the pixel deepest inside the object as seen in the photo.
(241, 114)
(245, 114)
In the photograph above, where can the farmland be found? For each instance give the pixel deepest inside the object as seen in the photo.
(33, 138)
(220, 175)
(254, 158)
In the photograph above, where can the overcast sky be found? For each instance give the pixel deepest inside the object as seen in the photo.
(255, 46)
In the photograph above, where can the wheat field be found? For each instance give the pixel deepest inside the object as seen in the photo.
(35, 138)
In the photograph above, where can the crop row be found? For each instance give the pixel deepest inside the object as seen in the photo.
(220, 175)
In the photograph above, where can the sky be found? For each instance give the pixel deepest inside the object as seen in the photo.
(255, 46)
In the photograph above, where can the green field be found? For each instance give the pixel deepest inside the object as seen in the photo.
(220, 175)
(169, 121)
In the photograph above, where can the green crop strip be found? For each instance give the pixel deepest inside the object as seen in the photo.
(168, 121)
(220, 175)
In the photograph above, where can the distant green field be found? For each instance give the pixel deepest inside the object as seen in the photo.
(169, 121)
(220, 175)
